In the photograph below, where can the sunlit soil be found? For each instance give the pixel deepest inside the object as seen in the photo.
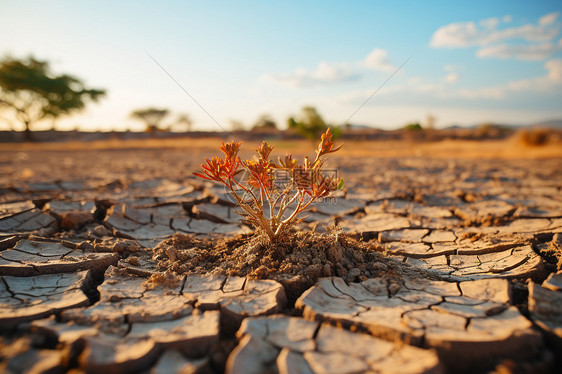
(503, 149)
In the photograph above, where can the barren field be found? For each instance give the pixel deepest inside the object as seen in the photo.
(437, 257)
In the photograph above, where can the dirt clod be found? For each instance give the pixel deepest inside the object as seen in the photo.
(309, 256)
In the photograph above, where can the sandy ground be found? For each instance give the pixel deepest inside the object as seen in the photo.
(506, 149)
(447, 258)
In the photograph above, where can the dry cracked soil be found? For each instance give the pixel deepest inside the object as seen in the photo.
(119, 261)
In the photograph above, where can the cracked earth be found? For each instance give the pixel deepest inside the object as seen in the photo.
(475, 248)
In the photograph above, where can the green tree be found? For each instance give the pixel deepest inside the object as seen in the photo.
(151, 117)
(413, 127)
(310, 124)
(265, 122)
(33, 93)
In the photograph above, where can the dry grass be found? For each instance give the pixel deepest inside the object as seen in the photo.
(539, 137)
(512, 148)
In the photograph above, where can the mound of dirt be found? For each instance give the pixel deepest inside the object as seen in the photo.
(297, 260)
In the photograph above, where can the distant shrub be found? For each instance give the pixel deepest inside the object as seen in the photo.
(492, 131)
(413, 127)
(265, 122)
(539, 136)
(152, 117)
(484, 130)
(311, 125)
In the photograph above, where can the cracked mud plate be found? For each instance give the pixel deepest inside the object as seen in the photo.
(458, 269)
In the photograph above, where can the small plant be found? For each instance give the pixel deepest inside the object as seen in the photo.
(272, 195)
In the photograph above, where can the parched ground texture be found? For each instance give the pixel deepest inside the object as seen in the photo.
(119, 261)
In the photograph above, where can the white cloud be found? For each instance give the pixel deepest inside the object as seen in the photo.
(467, 34)
(490, 23)
(378, 60)
(549, 18)
(324, 73)
(414, 80)
(457, 35)
(498, 92)
(551, 81)
(332, 73)
(554, 68)
(506, 18)
(327, 73)
(527, 32)
(533, 52)
(452, 77)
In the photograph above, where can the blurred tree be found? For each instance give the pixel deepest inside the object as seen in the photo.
(236, 125)
(184, 121)
(265, 122)
(430, 122)
(484, 129)
(151, 117)
(492, 131)
(310, 124)
(413, 127)
(32, 92)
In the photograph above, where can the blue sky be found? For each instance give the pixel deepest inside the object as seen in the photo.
(471, 62)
